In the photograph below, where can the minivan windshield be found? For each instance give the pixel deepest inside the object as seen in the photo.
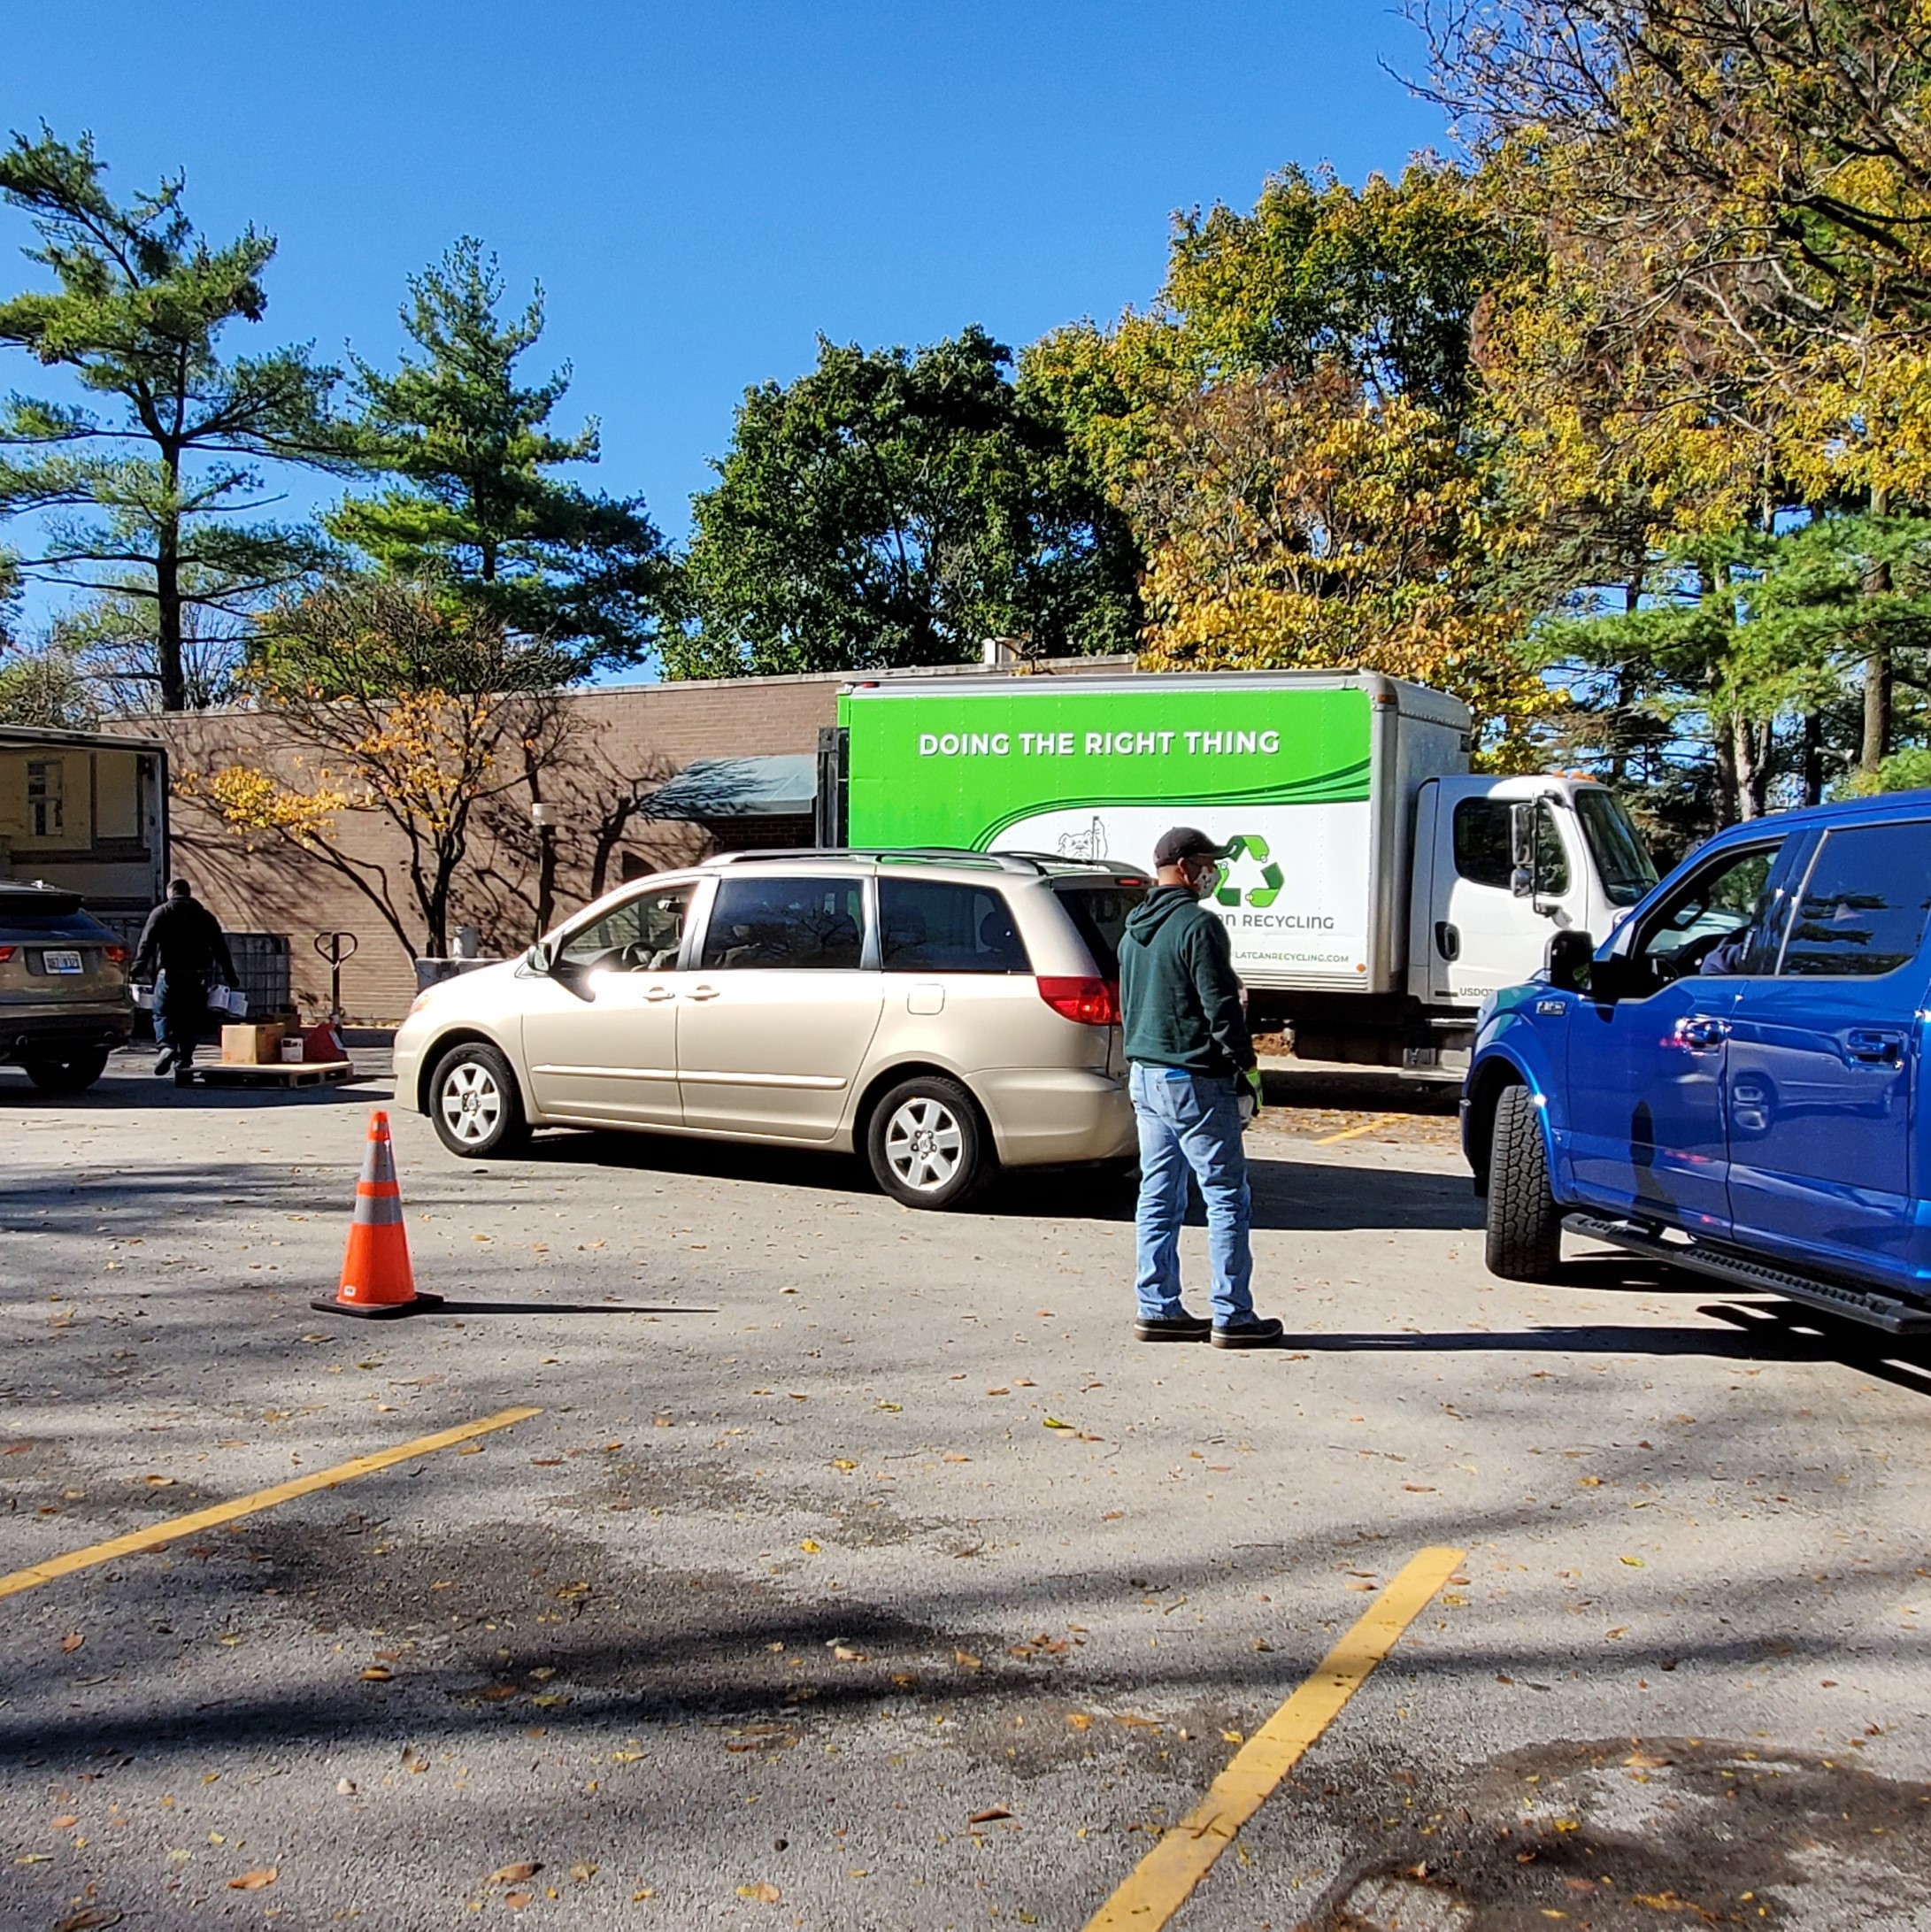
(1616, 846)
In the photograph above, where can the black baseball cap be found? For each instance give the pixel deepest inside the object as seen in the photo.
(1183, 842)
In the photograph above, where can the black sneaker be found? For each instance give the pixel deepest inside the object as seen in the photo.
(164, 1061)
(1180, 1328)
(1257, 1332)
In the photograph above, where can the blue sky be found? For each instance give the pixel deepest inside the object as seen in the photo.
(702, 189)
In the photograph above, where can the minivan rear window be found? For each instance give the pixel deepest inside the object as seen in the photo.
(1100, 913)
(926, 926)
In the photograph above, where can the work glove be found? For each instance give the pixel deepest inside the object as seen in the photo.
(1248, 1092)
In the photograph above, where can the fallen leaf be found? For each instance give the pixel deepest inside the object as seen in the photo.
(765, 1893)
(376, 1673)
(998, 1391)
(1419, 1488)
(1621, 1630)
(986, 1816)
(1080, 1720)
(253, 1881)
(1355, 1582)
(847, 1657)
(496, 1693)
(810, 1548)
(625, 1757)
(160, 1482)
(1644, 1761)
(1053, 1422)
(1634, 1563)
(16, 1449)
(72, 1641)
(514, 1874)
(65, 1824)
(89, 1920)
(414, 1760)
(582, 1871)
(965, 1661)
(844, 1463)
(345, 1787)
(516, 1901)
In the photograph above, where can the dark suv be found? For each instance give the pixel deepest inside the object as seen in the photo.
(65, 1004)
(1730, 1081)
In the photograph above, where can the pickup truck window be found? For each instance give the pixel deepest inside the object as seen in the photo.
(1861, 912)
(1482, 846)
(1712, 922)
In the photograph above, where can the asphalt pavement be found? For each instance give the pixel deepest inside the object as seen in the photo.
(858, 1570)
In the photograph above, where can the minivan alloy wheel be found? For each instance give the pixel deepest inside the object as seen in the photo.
(924, 1144)
(472, 1101)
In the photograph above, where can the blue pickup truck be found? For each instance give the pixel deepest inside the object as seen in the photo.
(1730, 1081)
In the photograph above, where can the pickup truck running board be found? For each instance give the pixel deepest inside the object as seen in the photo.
(1866, 1306)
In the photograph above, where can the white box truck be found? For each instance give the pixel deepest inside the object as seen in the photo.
(1375, 891)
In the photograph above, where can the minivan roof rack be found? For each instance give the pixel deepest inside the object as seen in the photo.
(1033, 864)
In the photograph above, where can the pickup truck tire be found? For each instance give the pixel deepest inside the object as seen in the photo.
(474, 1103)
(72, 1074)
(1525, 1225)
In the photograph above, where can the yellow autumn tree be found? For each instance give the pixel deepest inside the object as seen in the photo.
(404, 706)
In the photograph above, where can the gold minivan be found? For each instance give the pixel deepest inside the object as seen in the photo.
(942, 1014)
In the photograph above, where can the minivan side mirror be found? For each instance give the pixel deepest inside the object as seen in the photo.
(1522, 849)
(1567, 961)
(537, 958)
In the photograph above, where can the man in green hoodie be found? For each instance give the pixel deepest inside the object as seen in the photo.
(1190, 1059)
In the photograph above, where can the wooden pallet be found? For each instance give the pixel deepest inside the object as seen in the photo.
(273, 1073)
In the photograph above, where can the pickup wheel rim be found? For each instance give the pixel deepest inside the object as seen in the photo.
(925, 1145)
(472, 1101)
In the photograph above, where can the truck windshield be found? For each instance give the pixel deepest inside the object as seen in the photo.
(1616, 846)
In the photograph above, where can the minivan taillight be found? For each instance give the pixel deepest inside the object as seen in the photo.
(6, 953)
(116, 955)
(1093, 1003)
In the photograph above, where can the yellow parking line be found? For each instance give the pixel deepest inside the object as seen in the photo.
(1355, 1133)
(1162, 1881)
(177, 1527)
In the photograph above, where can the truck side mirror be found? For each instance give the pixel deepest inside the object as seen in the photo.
(1522, 849)
(1567, 960)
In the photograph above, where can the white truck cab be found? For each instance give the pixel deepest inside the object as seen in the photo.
(1500, 864)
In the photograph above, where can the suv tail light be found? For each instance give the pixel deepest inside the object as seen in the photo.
(1093, 1003)
(116, 955)
(6, 953)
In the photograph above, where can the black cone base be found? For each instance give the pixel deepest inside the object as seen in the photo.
(380, 1311)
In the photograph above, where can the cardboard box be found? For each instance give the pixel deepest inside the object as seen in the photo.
(250, 1046)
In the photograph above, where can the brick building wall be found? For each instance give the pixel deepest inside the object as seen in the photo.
(617, 737)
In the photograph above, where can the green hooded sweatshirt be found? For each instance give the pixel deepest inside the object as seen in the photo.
(1177, 990)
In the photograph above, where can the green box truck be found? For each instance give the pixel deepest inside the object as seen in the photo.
(1375, 892)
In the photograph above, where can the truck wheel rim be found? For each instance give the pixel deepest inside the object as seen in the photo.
(925, 1146)
(472, 1101)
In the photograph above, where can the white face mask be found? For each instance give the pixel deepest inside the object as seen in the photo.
(1203, 874)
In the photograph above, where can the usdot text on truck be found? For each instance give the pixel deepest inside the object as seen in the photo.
(1375, 891)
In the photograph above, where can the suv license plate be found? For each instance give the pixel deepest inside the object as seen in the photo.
(60, 962)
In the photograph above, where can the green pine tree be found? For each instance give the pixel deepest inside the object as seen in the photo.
(142, 488)
(473, 505)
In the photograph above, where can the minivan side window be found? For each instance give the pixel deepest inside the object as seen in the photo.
(927, 927)
(817, 924)
(642, 935)
(1861, 911)
(1482, 846)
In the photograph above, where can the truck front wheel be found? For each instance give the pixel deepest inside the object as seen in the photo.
(1524, 1224)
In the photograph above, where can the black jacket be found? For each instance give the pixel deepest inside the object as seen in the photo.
(1180, 997)
(182, 939)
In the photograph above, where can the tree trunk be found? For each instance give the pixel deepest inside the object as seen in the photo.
(168, 596)
(1877, 666)
(1813, 771)
(1723, 745)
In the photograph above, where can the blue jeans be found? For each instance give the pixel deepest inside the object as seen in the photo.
(1189, 1121)
(181, 1013)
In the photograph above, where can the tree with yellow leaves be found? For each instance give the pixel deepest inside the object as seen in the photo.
(404, 704)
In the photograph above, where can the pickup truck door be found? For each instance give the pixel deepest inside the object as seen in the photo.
(1824, 1050)
(1647, 1134)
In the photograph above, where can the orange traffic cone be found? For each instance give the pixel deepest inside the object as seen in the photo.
(376, 1277)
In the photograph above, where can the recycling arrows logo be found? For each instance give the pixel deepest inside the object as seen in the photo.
(1249, 845)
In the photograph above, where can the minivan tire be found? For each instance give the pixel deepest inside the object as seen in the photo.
(73, 1074)
(474, 1103)
(926, 1144)
(1524, 1224)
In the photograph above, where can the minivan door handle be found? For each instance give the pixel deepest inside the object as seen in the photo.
(657, 995)
(701, 992)
(1874, 1046)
